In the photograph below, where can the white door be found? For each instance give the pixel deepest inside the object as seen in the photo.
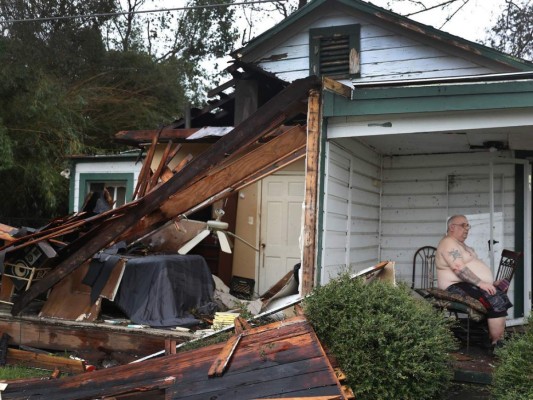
(479, 237)
(281, 219)
(474, 192)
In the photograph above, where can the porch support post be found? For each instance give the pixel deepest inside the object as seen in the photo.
(311, 191)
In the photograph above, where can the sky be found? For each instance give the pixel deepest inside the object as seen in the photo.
(470, 22)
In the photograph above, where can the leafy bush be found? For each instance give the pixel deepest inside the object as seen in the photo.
(513, 375)
(389, 344)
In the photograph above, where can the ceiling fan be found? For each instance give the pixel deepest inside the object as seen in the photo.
(219, 228)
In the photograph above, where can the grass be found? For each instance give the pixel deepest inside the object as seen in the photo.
(20, 372)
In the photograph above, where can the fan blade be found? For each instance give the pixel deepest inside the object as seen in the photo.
(194, 241)
(224, 242)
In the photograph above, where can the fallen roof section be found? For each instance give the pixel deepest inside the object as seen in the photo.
(209, 170)
(283, 359)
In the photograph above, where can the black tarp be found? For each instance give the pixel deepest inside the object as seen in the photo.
(161, 290)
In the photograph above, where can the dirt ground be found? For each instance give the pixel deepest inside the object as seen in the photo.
(468, 391)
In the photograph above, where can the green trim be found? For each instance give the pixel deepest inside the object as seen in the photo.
(434, 98)
(72, 187)
(519, 298)
(99, 177)
(352, 31)
(321, 195)
(392, 18)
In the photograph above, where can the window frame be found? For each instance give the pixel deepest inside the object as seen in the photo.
(86, 178)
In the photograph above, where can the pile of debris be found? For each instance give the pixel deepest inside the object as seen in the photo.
(282, 359)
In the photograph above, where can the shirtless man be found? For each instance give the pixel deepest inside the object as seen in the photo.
(460, 270)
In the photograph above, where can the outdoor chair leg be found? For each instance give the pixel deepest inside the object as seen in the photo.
(467, 334)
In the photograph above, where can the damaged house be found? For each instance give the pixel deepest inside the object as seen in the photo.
(415, 125)
(346, 136)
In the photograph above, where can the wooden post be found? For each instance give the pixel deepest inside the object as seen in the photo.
(311, 191)
(170, 346)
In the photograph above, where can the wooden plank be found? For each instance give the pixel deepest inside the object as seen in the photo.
(222, 361)
(182, 163)
(336, 87)
(161, 165)
(173, 153)
(308, 375)
(311, 188)
(144, 174)
(35, 360)
(241, 325)
(274, 113)
(170, 346)
(168, 173)
(221, 88)
(92, 341)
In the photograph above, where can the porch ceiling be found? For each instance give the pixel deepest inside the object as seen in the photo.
(514, 138)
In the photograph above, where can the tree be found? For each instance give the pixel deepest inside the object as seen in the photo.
(66, 88)
(202, 31)
(513, 32)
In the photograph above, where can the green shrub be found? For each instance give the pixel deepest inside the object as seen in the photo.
(389, 344)
(513, 375)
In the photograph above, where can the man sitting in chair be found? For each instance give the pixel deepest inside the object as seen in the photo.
(459, 270)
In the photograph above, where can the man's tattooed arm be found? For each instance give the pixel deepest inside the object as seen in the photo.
(461, 269)
(468, 276)
(455, 254)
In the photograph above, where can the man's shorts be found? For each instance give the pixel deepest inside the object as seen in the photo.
(496, 304)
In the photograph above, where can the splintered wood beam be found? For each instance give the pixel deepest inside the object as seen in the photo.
(173, 153)
(144, 174)
(311, 188)
(271, 114)
(238, 173)
(223, 359)
(161, 165)
(241, 325)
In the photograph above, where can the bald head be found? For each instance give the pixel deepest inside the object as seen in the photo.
(454, 219)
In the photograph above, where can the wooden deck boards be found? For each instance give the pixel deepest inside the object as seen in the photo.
(92, 341)
(283, 359)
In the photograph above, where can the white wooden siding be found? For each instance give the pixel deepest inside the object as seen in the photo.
(420, 192)
(108, 167)
(385, 55)
(351, 210)
(364, 224)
